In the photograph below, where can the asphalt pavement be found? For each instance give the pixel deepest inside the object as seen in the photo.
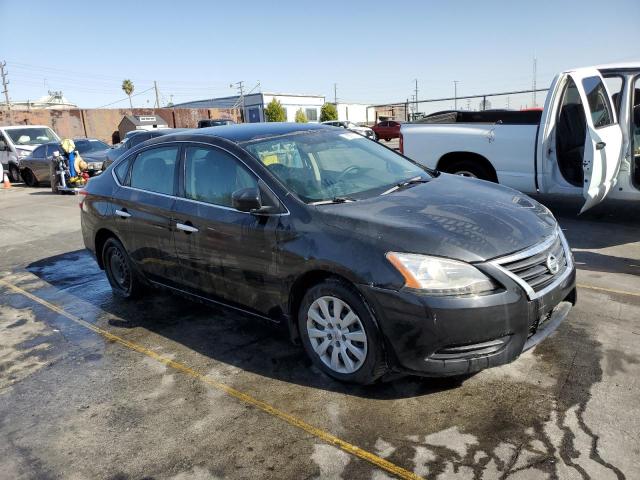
(93, 387)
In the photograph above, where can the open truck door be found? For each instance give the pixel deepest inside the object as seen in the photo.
(581, 137)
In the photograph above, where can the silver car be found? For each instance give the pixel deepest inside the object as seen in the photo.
(354, 127)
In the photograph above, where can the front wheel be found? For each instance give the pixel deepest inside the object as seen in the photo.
(14, 173)
(339, 333)
(29, 178)
(120, 273)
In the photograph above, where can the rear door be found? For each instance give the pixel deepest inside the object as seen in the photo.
(143, 209)
(602, 152)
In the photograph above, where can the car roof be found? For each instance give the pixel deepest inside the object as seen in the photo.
(254, 131)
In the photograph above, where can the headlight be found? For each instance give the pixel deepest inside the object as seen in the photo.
(440, 276)
(22, 153)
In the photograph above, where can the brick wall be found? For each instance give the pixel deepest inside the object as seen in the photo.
(102, 123)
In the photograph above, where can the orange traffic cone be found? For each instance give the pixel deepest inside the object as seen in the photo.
(5, 181)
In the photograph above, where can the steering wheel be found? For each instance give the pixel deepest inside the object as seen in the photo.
(348, 171)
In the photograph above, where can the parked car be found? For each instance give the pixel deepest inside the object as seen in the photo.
(35, 167)
(373, 262)
(18, 141)
(581, 144)
(387, 130)
(214, 122)
(354, 127)
(132, 139)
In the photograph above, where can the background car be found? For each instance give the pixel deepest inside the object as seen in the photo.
(388, 129)
(354, 127)
(18, 141)
(214, 122)
(133, 138)
(34, 168)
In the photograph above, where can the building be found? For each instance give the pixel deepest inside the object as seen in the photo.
(55, 100)
(356, 112)
(140, 122)
(253, 105)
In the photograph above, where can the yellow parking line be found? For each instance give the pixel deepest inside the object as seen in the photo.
(609, 290)
(243, 397)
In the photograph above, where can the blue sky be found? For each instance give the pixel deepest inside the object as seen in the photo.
(372, 50)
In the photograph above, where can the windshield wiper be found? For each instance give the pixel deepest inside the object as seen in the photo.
(406, 183)
(335, 200)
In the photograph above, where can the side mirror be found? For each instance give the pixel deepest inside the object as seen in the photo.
(3, 147)
(246, 200)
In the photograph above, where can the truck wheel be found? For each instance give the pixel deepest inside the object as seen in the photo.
(472, 169)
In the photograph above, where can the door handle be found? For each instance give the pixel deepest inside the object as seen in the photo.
(600, 145)
(123, 213)
(186, 228)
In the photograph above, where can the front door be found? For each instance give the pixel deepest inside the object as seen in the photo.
(581, 146)
(143, 210)
(224, 253)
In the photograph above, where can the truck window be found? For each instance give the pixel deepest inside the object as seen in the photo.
(571, 133)
(599, 104)
(614, 84)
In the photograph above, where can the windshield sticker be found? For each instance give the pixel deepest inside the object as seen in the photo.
(350, 136)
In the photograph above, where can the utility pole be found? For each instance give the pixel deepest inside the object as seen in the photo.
(5, 82)
(455, 94)
(155, 86)
(335, 94)
(240, 86)
(416, 110)
(535, 72)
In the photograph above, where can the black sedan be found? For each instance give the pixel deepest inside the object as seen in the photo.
(371, 261)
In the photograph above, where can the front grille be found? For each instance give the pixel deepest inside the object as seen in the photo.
(534, 270)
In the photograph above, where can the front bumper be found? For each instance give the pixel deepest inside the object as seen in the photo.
(444, 336)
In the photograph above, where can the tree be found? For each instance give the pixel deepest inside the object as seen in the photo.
(275, 112)
(328, 112)
(301, 117)
(128, 88)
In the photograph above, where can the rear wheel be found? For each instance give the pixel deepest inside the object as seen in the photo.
(339, 333)
(117, 264)
(470, 168)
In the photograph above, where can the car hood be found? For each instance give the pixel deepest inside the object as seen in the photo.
(99, 156)
(449, 216)
(28, 148)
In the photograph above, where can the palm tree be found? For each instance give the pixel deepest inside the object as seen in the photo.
(128, 88)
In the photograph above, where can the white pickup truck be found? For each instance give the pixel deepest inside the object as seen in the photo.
(586, 140)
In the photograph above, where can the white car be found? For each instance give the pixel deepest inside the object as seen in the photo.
(584, 142)
(17, 142)
(354, 127)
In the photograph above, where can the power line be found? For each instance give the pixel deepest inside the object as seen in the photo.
(126, 98)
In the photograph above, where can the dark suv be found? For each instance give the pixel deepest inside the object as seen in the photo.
(370, 260)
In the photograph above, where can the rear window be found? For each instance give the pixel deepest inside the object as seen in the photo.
(599, 102)
(154, 170)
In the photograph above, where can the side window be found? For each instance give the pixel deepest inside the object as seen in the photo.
(121, 171)
(212, 175)
(138, 139)
(599, 104)
(52, 148)
(39, 152)
(614, 85)
(154, 170)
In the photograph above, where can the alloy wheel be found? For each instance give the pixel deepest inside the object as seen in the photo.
(336, 334)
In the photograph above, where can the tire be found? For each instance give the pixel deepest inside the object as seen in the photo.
(14, 173)
(122, 277)
(29, 178)
(471, 168)
(359, 354)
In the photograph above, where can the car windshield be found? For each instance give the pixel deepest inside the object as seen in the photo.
(88, 146)
(31, 135)
(326, 165)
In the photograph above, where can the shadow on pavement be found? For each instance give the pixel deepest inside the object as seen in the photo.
(222, 334)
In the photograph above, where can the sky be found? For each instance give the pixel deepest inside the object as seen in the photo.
(374, 51)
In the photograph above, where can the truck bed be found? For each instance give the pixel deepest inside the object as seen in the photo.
(506, 117)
